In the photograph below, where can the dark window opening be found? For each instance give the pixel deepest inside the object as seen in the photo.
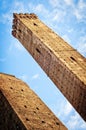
(22, 90)
(19, 30)
(57, 123)
(38, 50)
(73, 58)
(37, 108)
(27, 119)
(43, 122)
(25, 106)
(35, 24)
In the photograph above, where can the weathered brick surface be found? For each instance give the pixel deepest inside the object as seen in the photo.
(22, 109)
(62, 63)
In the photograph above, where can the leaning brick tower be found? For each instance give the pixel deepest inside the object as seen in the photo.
(22, 109)
(61, 62)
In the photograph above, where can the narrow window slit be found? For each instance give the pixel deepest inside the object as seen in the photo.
(25, 106)
(19, 30)
(43, 122)
(38, 50)
(27, 119)
(22, 90)
(35, 24)
(73, 58)
(11, 88)
(57, 123)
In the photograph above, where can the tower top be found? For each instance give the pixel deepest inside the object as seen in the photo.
(26, 15)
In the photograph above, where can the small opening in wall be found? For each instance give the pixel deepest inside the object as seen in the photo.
(22, 90)
(11, 88)
(27, 119)
(73, 58)
(35, 24)
(25, 106)
(37, 108)
(43, 122)
(34, 111)
(38, 50)
(57, 123)
(19, 30)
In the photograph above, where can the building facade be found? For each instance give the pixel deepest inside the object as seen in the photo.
(61, 62)
(22, 109)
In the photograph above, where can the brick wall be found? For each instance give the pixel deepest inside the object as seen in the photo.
(22, 109)
(61, 62)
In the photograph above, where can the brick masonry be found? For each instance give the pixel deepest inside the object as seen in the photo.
(61, 62)
(22, 109)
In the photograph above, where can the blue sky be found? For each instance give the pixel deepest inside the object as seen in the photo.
(65, 17)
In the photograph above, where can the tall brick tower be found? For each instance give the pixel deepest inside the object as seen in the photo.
(22, 109)
(62, 63)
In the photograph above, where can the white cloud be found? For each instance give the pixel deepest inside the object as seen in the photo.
(60, 11)
(69, 2)
(54, 3)
(7, 18)
(18, 46)
(39, 9)
(69, 7)
(15, 6)
(80, 11)
(67, 114)
(24, 77)
(66, 38)
(75, 122)
(81, 45)
(77, 13)
(70, 30)
(15, 46)
(58, 15)
(20, 7)
(83, 125)
(63, 110)
(82, 4)
(67, 109)
(36, 76)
